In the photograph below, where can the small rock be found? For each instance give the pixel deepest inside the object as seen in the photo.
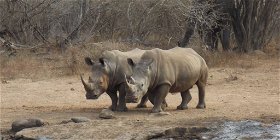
(43, 138)
(258, 52)
(160, 114)
(80, 119)
(205, 137)
(4, 82)
(198, 129)
(176, 131)
(106, 114)
(231, 78)
(26, 123)
(65, 121)
(72, 89)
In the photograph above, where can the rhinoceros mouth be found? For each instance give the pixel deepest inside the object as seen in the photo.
(92, 97)
(131, 99)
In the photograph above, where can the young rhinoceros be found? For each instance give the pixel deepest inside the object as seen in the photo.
(107, 75)
(161, 71)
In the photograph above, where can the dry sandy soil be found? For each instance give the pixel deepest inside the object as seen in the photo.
(238, 93)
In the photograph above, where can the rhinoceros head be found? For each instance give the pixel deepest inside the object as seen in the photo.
(138, 82)
(98, 80)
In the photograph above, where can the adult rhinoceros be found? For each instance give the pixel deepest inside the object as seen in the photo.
(161, 71)
(107, 75)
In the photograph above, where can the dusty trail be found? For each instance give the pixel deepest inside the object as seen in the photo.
(232, 94)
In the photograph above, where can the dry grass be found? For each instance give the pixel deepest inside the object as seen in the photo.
(54, 64)
(43, 65)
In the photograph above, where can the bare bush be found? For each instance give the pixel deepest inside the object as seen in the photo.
(147, 22)
(254, 23)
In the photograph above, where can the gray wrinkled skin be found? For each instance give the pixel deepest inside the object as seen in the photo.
(161, 71)
(98, 80)
(108, 75)
(139, 82)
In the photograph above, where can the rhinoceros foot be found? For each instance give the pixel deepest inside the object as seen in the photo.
(156, 110)
(141, 106)
(113, 108)
(160, 114)
(122, 108)
(201, 106)
(164, 105)
(182, 107)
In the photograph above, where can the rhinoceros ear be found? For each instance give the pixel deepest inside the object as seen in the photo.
(88, 61)
(147, 64)
(102, 61)
(130, 62)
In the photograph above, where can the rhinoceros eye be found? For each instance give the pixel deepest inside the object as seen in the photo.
(101, 83)
(90, 79)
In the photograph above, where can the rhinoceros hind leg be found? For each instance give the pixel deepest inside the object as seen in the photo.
(186, 98)
(201, 95)
(159, 98)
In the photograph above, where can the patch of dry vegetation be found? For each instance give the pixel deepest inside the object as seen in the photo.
(27, 64)
(32, 65)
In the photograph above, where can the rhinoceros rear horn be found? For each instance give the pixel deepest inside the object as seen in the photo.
(129, 80)
(87, 87)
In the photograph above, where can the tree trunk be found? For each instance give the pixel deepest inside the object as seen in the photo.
(252, 23)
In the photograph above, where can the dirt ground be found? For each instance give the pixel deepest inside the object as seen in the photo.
(232, 94)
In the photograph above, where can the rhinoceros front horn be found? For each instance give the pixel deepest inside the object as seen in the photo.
(87, 87)
(125, 77)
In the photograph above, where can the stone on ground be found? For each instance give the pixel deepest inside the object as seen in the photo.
(160, 114)
(80, 119)
(26, 123)
(106, 114)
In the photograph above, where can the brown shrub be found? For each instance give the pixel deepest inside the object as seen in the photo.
(28, 64)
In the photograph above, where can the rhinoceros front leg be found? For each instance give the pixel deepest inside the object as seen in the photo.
(122, 104)
(152, 100)
(159, 97)
(186, 98)
(114, 99)
(143, 102)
